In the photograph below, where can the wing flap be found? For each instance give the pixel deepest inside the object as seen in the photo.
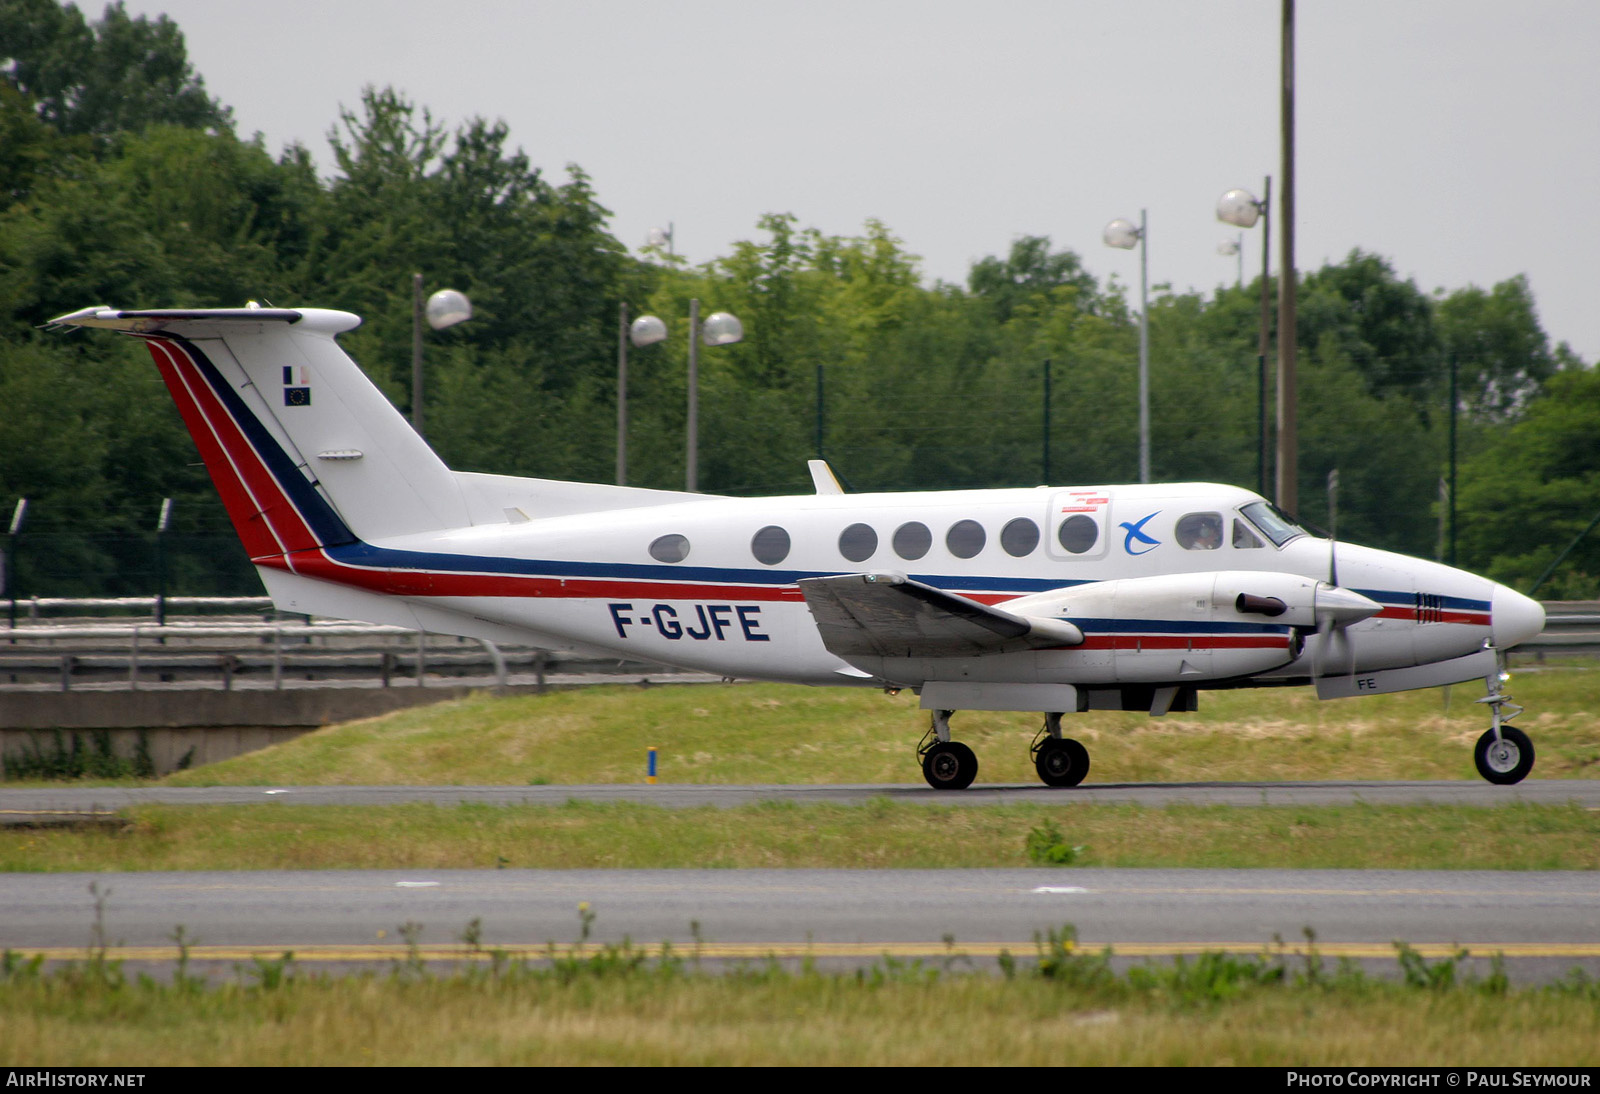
(890, 615)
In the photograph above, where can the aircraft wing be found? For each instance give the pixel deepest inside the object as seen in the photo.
(890, 615)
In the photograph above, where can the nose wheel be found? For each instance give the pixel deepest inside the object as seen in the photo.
(1504, 754)
(1506, 759)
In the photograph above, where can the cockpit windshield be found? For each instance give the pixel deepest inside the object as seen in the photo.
(1272, 522)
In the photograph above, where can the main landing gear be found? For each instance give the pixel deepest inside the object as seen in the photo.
(946, 764)
(951, 765)
(1060, 761)
(1504, 754)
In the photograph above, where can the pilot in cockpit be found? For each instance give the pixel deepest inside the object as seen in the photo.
(1200, 532)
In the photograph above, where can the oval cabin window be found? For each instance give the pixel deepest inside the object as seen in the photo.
(1019, 537)
(770, 545)
(858, 542)
(912, 540)
(1078, 534)
(670, 548)
(965, 538)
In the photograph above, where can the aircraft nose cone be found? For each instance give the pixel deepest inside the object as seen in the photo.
(1513, 617)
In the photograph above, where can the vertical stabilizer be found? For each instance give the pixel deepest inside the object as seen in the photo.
(304, 449)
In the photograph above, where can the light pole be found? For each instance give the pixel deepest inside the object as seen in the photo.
(719, 329)
(1123, 235)
(445, 308)
(1234, 249)
(11, 562)
(662, 237)
(646, 330)
(162, 523)
(1241, 209)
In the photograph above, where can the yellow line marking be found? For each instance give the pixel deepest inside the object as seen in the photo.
(762, 950)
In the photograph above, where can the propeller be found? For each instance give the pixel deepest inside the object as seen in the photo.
(1335, 610)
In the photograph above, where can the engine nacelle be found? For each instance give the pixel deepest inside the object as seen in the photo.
(1191, 628)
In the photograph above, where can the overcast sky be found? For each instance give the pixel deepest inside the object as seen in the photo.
(1460, 139)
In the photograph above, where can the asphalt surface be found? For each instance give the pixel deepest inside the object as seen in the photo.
(1544, 922)
(24, 805)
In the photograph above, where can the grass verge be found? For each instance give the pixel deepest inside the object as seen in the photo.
(619, 1004)
(771, 733)
(877, 834)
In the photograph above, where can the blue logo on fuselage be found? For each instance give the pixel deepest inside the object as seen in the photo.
(1136, 532)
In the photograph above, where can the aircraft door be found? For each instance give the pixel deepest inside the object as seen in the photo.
(1076, 528)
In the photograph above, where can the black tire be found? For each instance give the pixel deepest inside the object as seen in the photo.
(949, 765)
(1062, 762)
(1507, 761)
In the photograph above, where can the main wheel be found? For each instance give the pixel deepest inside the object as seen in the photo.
(949, 765)
(1507, 760)
(1061, 762)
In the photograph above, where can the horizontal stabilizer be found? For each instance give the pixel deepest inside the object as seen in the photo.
(890, 615)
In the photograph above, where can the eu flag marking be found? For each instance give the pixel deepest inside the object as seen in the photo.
(296, 396)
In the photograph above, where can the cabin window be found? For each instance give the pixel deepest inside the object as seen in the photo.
(1019, 537)
(965, 538)
(1243, 537)
(670, 548)
(912, 540)
(1200, 531)
(1078, 534)
(770, 545)
(858, 542)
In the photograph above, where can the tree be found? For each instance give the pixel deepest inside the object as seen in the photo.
(1501, 351)
(119, 75)
(1534, 487)
(1029, 272)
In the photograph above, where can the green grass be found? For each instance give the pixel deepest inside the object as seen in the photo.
(769, 733)
(879, 834)
(621, 1005)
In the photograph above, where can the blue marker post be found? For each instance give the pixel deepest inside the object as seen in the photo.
(650, 777)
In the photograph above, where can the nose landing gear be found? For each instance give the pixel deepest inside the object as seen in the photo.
(1504, 754)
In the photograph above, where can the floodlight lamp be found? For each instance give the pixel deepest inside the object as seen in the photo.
(646, 330)
(1122, 234)
(658, 237)
(1239, 208)
(1228, 248)
(447, 307)
(721, 329)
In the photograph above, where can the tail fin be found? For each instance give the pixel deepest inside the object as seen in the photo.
(304, 450)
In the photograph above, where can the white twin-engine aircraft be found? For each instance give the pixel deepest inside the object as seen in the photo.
(1052, 599)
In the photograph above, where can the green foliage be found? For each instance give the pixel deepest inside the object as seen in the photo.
(1046, 846)
(1533, 489)
(1419, 972)
(61, 760)
(118, 75)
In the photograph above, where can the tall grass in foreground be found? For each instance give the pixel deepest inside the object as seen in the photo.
(622, 1004)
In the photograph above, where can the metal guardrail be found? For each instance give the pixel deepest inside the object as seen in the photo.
(43, 653)
(225, 646)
